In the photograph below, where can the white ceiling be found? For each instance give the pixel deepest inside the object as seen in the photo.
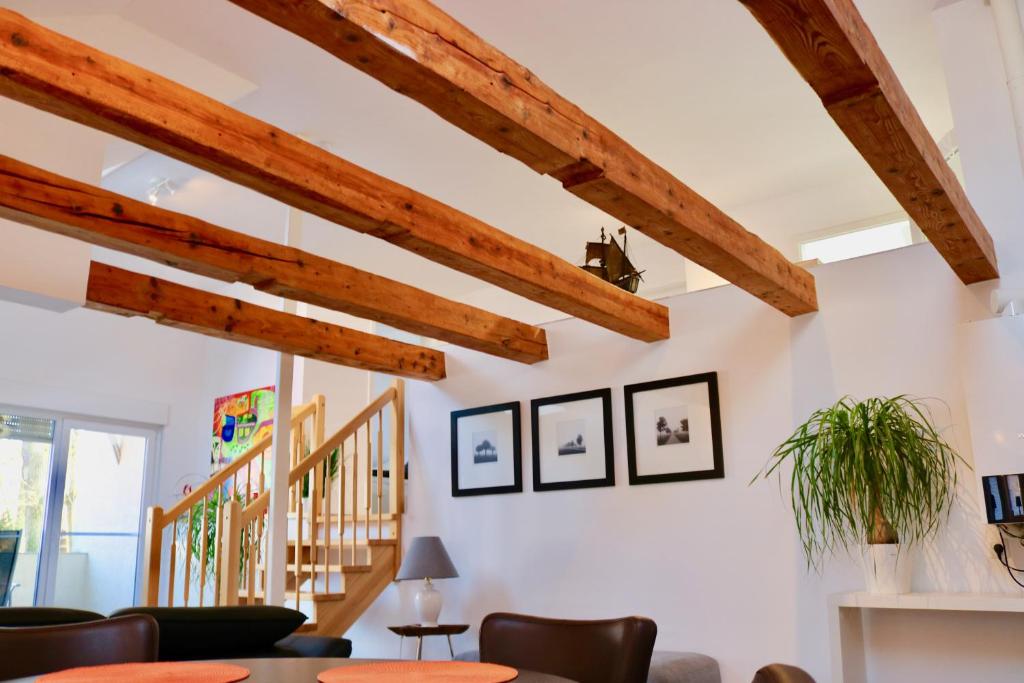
(695, 84)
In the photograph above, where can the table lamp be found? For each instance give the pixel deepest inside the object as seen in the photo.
(427, 559)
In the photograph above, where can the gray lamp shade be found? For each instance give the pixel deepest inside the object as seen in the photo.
(426, 559)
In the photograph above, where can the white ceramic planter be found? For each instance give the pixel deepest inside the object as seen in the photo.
(887, 568)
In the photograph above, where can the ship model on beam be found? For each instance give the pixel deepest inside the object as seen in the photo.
(610, 262)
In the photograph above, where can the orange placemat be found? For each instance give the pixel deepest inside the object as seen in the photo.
(419, 672)
(158, 672)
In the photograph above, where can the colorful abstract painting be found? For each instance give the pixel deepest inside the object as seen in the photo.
(239, 421)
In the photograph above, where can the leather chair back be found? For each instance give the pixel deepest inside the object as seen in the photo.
(782, 673)
(606, 651)
(38, 650)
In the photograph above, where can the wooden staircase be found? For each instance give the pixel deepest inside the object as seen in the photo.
(344, 522)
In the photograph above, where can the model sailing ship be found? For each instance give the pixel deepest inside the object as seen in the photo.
(613, 264)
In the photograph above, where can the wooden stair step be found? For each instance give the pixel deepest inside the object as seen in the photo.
(347, 543)
(387, 517)
(321, 568)
(305, 596)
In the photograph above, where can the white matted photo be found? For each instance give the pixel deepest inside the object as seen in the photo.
(673, 430)
(486, 450)
(572, 441)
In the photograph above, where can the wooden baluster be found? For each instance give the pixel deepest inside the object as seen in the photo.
(315, 482)
(380, 474)
(188, 556)
(261, 549)
(341, 506)
(218, 541)
(263, 562)
(294, 502)
(203, 547)
(298, 542)
(170, 567)
(251, 562)
(369, 485)
(319, 420)
(248, 483)
(355, 491)
(263, 470)
(327, 524)
(398, 468)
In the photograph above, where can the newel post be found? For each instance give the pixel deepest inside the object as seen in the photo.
(398, 467)
(231, 554)
(151, 556)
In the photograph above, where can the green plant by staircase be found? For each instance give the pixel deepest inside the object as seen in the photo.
(196, 549)
(331, 473)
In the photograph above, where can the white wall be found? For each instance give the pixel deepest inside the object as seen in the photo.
(104, 362)
(714, 562)
(622, 550)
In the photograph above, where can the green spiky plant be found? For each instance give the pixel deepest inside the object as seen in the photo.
(196, 549)
(875, 471)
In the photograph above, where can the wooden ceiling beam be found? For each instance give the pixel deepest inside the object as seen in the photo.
(126, 293)
(52, 72)
(57, 204)
(834, 50)
(416, 49)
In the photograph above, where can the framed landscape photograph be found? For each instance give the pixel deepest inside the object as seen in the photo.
(572, 441)
(487, 450)
(674, 430)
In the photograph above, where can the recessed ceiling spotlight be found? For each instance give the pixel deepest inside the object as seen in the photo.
(160, 186)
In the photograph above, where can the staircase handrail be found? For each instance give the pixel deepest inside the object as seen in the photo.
(336, 439)
(259, 506)
(299, 413)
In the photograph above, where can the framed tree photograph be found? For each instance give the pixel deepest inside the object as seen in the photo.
(674, 430)
(572, 441)
(487, 450)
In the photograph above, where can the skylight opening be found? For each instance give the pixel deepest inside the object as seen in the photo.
(858, 243)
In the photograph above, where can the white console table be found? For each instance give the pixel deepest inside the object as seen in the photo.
(846, 631)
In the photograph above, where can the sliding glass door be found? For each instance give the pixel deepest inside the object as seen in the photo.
(85, 491)
(101, 517)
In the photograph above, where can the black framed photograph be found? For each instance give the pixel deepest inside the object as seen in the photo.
(674, 430)
(572, 441)
(487, 450)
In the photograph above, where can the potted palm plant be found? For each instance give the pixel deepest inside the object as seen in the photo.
(875, 473)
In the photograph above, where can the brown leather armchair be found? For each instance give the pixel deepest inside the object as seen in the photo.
(781, 673)
(606, 651)
(42, 649)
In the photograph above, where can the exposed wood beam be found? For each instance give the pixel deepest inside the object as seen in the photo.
(421, 52)
(54, 73)
(57, 204)
(834, 50)
(126, 293)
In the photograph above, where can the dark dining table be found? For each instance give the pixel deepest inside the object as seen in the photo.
(304, 670)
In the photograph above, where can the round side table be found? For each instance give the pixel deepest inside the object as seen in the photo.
(419, 632)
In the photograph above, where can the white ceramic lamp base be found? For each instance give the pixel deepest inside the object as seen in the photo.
(428, 604)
